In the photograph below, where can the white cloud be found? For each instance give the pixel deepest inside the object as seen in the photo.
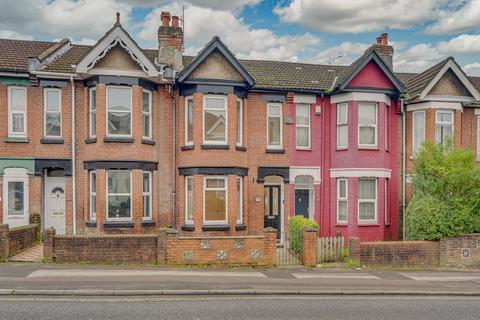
(463, 44)
(416, 58)
(472, 69)
(9, 34)
(343, 54)
(459, 16)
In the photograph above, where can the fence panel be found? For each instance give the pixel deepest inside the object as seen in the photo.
(330, 249)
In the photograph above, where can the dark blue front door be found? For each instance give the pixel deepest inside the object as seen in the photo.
(302, 202)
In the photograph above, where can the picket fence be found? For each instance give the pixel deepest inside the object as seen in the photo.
(330, 249)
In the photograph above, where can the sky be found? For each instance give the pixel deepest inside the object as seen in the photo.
(423, 32)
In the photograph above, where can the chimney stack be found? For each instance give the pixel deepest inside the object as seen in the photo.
(170, 41)
(383, 49)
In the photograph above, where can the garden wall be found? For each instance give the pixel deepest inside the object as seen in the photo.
(460, 251)
(15, 240)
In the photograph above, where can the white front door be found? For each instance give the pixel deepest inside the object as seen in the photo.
(55, 204)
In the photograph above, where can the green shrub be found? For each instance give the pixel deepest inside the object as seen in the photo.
(296, 226)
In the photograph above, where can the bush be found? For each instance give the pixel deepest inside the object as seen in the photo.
(296, 225)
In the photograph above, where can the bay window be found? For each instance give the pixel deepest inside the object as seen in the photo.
(188, 200)
(418, 130)
(92, 113)
(53, 113)
(93, 196)
(147, 114)
(215, 119)
(367, 124)
(147, 195)
(239, 122)
(119, 119)
(443, 126)
(274, 131)
(239, 200)
(342, 201)
(215, 200)
(189, 121)
(342, 125)
(17, 112)
(367, 200)
(119, 195)
(302, 124)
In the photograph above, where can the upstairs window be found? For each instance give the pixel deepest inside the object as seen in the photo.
(215, 119)
(17, 112)
(239, 122)
(189, 121)
(367, 124)
(302, 124)
(92, 113)
(418, 130)
(119, 120)
(443, 126)
(342, 125)
(147, 114)
(53, 113)
(367, 200)
(274, 131)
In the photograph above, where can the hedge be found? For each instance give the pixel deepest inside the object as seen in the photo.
(296, 226)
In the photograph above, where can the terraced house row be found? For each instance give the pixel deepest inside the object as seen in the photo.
(113, 138)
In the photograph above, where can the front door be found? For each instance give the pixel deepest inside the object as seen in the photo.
(55, 204)
(302, 202)
(272, 203)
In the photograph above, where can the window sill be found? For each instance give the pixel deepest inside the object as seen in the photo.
(51, 141)
(279, 151)
(148, 223)
(341, 149)
(215, 227)
(215, 146)
(368, 148)
(240, 148)
(188, 227)
(303, 149)
(15, 139)
(148, 141)
(366, 224)
(91, 140)
(240, 227)
(118, 139)
(118, 224)
(91, 224)
(188, 147)
(341, 225)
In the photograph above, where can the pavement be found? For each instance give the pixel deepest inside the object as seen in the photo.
(33, 254)
(21, 279)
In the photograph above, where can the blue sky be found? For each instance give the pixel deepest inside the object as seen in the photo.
(422, 32)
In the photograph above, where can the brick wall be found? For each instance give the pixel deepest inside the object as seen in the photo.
(460, 251)
(15, 240)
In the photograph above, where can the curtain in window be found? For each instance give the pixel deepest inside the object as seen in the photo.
(367, 115)
(366, 197)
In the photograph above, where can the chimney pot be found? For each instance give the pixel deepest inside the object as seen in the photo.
(175, 20)
(379, 40)
(384, 39)
(165, 16)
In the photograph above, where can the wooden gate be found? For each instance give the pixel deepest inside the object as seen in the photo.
(330, 249)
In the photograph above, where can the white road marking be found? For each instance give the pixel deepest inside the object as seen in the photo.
(138, 273)
(334, 276)
(443, 278)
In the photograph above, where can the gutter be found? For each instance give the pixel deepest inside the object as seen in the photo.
(55, 75)
(404, 165)
(74, 198)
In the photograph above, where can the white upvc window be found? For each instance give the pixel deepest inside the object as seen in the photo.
(239, 122)
(342, 125)
(119, 195)
(147, 114)
(478, 138)
(15, 197)
(387, 126)
(189, 121)
(367, 124)
(302, 125)
(17, 112)
(367, 200)
(52, 101)
(147, 195)
(119, 105)
(418, 130)
(215, 209)
(215, 121)
(92, 113)
(239, 200)
(189, 200)
(93, 196)
(387, 217)
(443, 126)
(342, 201)
(274, 126)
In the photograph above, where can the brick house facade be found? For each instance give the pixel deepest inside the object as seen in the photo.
(113, 138)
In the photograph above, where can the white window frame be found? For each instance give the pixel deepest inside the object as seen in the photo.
(16, 175)
(92, 214)
(303, 126)
(345, 199)
(342, 124)
(215, 96)
(364, 221)
(478, 138)
(189, 178)
(387, 220)
(11, 133)
(108, 111)
(91, 112)
(45, 111)
(240, 200)
(149, 113)
(187, 99)
(414, 137)
(147, 194)
(452, 123)
(375, 144)
(213, 222)
(119, 194)
(275, 147)
(239, 122)
(387, 125)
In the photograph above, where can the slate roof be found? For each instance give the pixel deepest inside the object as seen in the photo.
(14, 54)
(416, 84)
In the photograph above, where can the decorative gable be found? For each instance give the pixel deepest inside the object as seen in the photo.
(117, 59)
(216, 66)
(450, 85)
(371, 76)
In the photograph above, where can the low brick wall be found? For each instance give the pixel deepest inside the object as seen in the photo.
(15, 240)
(395, 253)
(460, 251)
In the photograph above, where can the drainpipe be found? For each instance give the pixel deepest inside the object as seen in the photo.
(404, 166)
(174, 156)
(74, 189)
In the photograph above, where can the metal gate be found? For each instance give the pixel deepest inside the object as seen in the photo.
(285, 256)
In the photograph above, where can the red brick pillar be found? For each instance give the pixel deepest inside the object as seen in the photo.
(309, 247)
(171, 254)
(48, 243)
(3, 242)
(270, 246)
(354, 249)
(161, 246)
